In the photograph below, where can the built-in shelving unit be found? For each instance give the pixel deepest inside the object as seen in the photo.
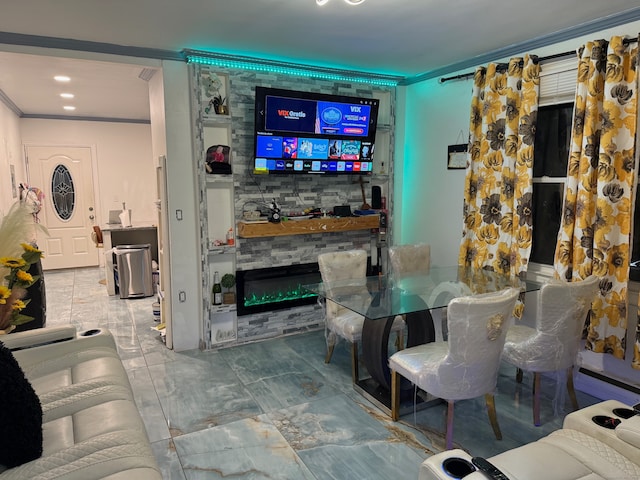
(213, 128)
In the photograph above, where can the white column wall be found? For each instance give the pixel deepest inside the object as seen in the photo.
(186, 297)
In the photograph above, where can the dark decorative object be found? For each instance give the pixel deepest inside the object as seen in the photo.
(274, 212)
(20, 416)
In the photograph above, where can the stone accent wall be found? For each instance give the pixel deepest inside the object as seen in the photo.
(293, 193)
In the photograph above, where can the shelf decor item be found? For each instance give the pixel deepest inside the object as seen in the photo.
(228, 281)
(218, 159)
(214, 89)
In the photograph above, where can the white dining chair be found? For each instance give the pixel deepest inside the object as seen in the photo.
(552, 345)
(340, 322)
(411, 259)
(406, 261)
(466, 366)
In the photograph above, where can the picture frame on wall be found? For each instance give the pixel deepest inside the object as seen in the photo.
(457, 156)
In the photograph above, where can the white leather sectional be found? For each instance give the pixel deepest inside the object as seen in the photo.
(581, 450)
(91, 426)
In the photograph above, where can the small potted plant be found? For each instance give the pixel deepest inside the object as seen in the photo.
(228, 281)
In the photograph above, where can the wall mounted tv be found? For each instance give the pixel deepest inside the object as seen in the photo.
(313, 133)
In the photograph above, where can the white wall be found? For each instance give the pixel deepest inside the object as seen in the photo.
(124, 170)
(10, 154)
(428, 197)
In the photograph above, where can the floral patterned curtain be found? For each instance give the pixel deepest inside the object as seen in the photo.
(598, 205)
(497, 227)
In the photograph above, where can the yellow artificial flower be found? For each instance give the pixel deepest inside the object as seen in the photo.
(24, 277)
(18, 305)
(30, 248)
(12, 262)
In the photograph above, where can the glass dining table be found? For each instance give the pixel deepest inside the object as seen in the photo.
(380, 299)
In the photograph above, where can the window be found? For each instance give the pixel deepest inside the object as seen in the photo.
(551, 154)
(63, 192)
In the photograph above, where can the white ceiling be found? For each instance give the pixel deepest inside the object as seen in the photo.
(395, 37)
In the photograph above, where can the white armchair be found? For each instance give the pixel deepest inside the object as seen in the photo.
(467, 365)
(553, 344)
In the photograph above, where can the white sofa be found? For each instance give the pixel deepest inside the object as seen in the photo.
(580, 450)
(91, 426)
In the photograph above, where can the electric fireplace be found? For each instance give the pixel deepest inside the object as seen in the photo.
(275, 288)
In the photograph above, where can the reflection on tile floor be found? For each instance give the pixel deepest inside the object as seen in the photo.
(274, 409)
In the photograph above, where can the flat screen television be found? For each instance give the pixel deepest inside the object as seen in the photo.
(313, 133)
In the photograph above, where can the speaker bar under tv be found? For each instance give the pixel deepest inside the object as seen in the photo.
(313, 133)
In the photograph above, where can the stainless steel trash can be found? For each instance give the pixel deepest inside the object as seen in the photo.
(133, 263)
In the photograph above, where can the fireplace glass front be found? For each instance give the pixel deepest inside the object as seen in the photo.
(275, 288)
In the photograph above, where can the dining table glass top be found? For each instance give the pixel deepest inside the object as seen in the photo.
(382, 296)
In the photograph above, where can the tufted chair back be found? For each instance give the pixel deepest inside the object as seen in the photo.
(340, 266)
(410, 259)
(477, 330)
(562, 311)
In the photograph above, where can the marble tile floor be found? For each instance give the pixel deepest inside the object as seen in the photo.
(274, 409)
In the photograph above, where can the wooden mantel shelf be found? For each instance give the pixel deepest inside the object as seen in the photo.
(307, 227)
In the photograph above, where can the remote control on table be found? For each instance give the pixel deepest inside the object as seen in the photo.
(488, 468)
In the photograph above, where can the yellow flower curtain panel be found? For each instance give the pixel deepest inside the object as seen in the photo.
(498, 185)
(598, 206)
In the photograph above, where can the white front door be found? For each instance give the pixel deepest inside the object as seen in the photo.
(64, 175)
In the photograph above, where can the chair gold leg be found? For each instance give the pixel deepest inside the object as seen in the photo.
(519, 375)
(536, 399)
(395, 395)
(571, 390)
(400, 341)
(327, 358)
(493, 418)
(355, 372)
(449, 431)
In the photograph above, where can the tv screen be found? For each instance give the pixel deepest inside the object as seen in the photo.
(314, 133)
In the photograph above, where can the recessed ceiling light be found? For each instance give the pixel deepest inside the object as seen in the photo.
(67, 95)
(62, 78)
(69, 107)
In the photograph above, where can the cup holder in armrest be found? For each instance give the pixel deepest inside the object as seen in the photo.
(606, 422)
(457, 467)
(624, 412)
(90, 333)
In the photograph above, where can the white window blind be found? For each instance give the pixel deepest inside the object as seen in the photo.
(558, 81)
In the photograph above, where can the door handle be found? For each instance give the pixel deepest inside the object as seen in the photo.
(91, 217)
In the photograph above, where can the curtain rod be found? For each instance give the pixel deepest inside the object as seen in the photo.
(626, 41)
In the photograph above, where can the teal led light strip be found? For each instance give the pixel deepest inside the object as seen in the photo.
(246, 63)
